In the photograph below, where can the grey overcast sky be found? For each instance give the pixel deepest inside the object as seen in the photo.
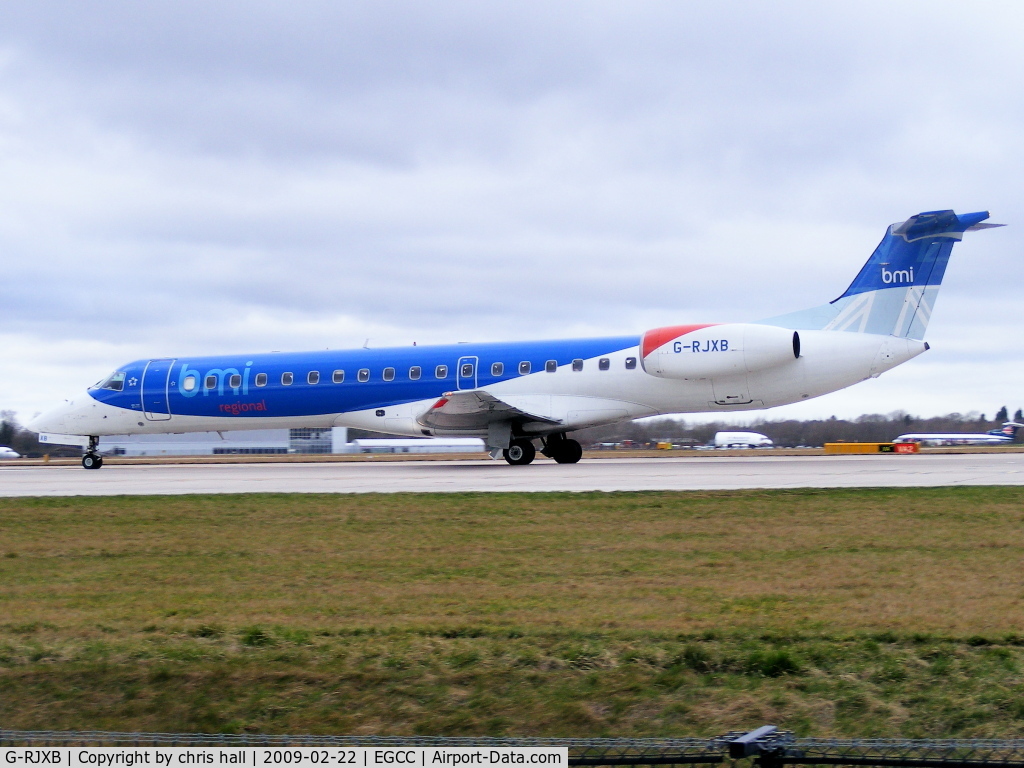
(184, 178)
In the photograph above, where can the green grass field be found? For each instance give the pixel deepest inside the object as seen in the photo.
(850, 612)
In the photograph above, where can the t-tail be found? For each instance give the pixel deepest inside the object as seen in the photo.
(1008, 430)
(895, 291)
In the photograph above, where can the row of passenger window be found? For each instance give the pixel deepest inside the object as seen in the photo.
(388, 374)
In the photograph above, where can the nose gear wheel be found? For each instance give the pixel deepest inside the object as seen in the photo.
(92, 459)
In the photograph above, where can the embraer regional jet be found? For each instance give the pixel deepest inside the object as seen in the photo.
(521, 396)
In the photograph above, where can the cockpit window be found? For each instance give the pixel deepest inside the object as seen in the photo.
(113, 382)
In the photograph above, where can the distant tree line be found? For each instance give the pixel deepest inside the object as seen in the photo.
(15, 436)
(869, 428)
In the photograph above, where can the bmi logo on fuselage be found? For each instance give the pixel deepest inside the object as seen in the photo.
(191, 382)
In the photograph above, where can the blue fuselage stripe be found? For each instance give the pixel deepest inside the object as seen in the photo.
(326, 397)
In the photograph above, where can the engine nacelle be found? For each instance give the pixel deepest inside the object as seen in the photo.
(713, 351)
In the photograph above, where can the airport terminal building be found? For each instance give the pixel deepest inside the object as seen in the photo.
(277, 441)
(256, 441)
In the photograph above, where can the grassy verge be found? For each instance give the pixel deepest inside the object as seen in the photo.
(860, 612)
(465, 682)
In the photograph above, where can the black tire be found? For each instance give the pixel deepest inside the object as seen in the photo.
(551, 443)
(568, 452)
(520, 453)
(92, 461)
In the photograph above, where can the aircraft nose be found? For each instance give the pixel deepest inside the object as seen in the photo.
(53, 420)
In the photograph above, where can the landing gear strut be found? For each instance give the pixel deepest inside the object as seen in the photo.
(520, 452)
(562, 449)
(92, 460)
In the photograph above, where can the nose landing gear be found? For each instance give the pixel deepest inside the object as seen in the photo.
(92, 460)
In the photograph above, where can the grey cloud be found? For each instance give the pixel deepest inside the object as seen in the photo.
(479, 171)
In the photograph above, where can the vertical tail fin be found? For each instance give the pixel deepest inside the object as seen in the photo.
(894, 292)
(1009, 429)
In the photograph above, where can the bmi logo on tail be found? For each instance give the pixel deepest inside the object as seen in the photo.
(897, 275)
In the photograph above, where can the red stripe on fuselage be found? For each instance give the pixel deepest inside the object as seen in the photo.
(654, 339)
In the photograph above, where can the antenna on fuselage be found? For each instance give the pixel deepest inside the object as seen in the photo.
(366, 344)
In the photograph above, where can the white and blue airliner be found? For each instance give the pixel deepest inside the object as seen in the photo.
(525, 396)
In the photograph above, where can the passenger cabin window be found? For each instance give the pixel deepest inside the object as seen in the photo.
(261, 379)
(389, 374)
(313, 377)
(235, 381)
(189, 383)
(551, 366)
(577, 365)
(497, 369)
(363, 375)
(467, 369)
(338, 376)
(115, 382)
(211, 382)
(287, 379)
(524, 367)
(630, 363)
(441, 372)
(415, 372)
(604, 364)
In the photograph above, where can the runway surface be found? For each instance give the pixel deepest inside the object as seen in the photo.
(619, 474)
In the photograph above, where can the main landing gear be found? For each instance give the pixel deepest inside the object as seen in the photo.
(92, 460)
(558, 447)
(562, 449)
(520, 452)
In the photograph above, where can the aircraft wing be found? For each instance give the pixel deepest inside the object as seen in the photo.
(475, 409)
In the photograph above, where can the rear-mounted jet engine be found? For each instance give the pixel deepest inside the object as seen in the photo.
(715, 351)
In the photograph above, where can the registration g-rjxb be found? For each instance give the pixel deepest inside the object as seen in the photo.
(177, 757)
(27, 756)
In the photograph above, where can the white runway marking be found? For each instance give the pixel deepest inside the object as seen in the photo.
(619, 474)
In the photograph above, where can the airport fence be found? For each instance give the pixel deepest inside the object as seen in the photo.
(766, 747)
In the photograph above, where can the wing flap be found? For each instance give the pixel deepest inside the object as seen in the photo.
(474, 410)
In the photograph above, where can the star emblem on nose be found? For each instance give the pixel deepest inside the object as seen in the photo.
(132, 381)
